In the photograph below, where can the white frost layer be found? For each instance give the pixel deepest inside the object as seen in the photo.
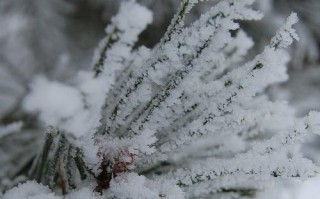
(33, 190)
(133, 186)
(30, 190)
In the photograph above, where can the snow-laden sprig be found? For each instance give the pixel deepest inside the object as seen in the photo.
(183, 119)
(139, 75)
(246, 82)
(173, 84)
(276, 157)
(122, 33)
(174, 60)
(286, 34)
(177, 21)
(227, 93)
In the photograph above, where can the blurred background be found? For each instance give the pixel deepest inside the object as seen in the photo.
(56, 38)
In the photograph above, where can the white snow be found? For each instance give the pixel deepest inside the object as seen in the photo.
(54, 101)
(75, 109)
(133, 186)
(30, 190)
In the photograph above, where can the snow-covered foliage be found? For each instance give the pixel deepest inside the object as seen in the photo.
(307, 50)
(188, 118)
